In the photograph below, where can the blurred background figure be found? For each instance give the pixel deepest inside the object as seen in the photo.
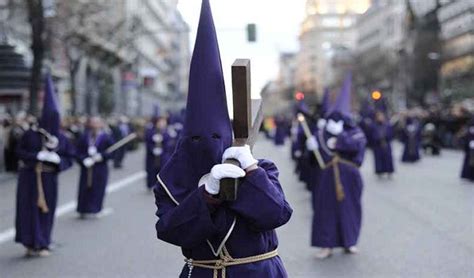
(379, 135)
(120, 129)
(92, 157)
(468, 165)
(13, 133)
(411, 138)
(154, 142)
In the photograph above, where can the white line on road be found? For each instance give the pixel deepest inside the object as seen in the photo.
(68, 207)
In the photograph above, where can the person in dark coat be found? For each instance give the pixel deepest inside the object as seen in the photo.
(120, 131)
(44, 152)
(233, 238)
(14, 134)
(468, 165)
(93, 157)
(380, 134)
(336, 200)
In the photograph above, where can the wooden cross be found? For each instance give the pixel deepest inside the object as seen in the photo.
(248, 118)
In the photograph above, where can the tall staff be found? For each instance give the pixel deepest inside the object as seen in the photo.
(307, 133)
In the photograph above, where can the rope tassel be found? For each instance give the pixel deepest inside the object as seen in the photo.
(43, 206)
(226, 260)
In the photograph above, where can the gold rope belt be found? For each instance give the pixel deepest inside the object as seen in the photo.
(39, 169)
(225, 261)
(337, 175)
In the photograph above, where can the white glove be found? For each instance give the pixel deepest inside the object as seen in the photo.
(471, 145)
(92, 150)
(172, 133)
(335, 128)
(321, 123)
(97, 158)
(297, 154)
(52, 142)
(312, 143)
(242, 154)
(218, 172)
(157, 138)
(42, 155)
(157, 151)
(88, 162)
(332, 143)
(53, 158)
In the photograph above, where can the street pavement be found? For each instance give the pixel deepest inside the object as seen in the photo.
(420, 223)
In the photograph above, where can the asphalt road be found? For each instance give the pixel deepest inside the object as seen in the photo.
(419, 224)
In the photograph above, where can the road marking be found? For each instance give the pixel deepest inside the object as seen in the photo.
(68, 207)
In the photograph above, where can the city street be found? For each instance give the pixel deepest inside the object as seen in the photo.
(418, 224)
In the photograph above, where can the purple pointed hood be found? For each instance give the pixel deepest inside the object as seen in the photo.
(207, 129)
(50, 116)
(342, 105)
(325, 102)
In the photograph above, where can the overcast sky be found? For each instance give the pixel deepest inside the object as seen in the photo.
(278, 23)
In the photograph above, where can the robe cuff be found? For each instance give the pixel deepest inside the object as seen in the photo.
(212, 202)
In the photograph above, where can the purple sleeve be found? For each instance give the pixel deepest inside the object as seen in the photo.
(351, 142)
(261, 201)
(81, 149)
(67, 153)
(22, 150)
(109, 141)
(188, 224)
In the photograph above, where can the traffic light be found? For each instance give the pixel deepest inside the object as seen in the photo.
(376, 95)
(299, 96)
(251, 32)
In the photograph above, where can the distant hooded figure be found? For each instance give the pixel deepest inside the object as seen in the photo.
(411, 139)
(281, 131)
(468, 165)
(380, 133)
(337, 198)
(156, 140)
(92, 157)
(228, 239)
(43, 151)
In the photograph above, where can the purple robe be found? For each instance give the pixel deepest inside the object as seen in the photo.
(33, 227)
(199, 227)
(155, 163)
(468, 165)
(412, 142)
(380, 136)
(337, 223)
(281, 132)
(90, 198)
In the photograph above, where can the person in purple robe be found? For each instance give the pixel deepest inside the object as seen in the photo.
(281, 131)
(120, 131)
(337, 198)
(92, 157)
(411, 139)
(380, 135)
(155, 141)
(43, 151)
(218, 238)
(468, 165)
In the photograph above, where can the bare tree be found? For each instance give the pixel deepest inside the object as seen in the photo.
(36, 19)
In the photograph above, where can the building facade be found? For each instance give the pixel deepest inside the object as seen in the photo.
(457, 33)
(328, 28)
(109, 57)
